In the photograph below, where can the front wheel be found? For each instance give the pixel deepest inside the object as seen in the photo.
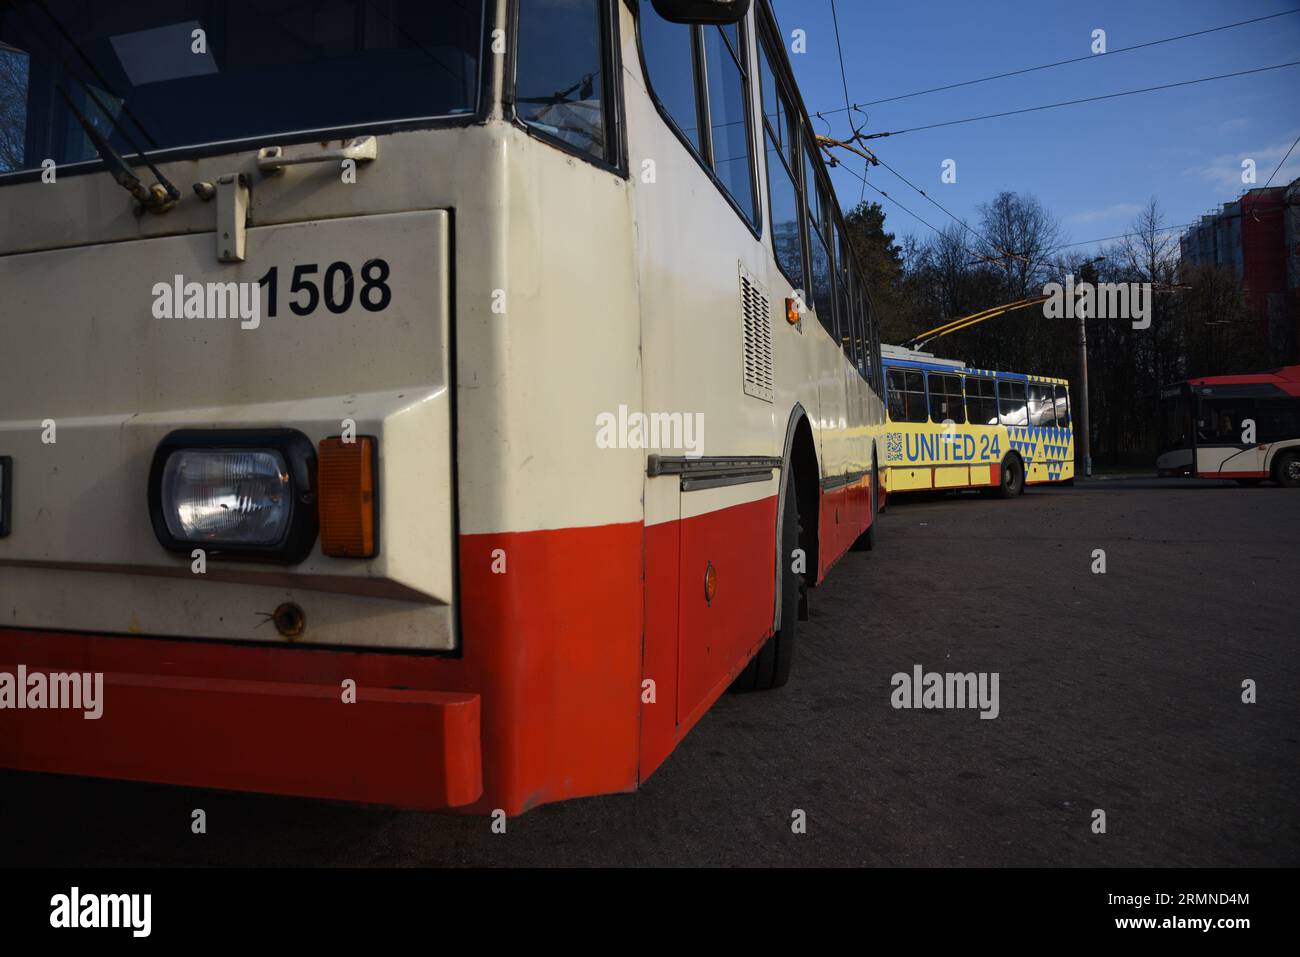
(1013, 477)
(770, 668)
(1286, 470)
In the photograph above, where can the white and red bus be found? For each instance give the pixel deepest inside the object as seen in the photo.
(414, 403)
(1242, 427)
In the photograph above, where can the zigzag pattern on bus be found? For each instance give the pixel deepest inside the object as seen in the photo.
(1026, 440)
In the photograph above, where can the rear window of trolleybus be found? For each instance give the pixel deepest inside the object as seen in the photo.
(176, 74)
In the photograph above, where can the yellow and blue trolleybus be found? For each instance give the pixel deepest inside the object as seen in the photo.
(952, 427)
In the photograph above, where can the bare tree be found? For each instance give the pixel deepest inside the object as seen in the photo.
(1025, 235)
(1149, 254)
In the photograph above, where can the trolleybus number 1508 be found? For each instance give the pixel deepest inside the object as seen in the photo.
(335, 289)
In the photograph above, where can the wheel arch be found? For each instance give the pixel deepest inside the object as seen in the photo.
(1015, 454)
(1277, 454)
(798, 458)
(1278, 449)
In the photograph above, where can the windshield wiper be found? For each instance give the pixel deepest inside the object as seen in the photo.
(94, 71)
(158, 198)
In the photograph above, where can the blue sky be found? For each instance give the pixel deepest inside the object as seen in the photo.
(1092, 165)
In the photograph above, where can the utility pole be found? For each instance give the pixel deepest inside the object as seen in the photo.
(1082, 434)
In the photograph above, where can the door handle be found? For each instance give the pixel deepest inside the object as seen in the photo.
(273, 159)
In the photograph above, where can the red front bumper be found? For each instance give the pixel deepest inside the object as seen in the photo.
(249, 718)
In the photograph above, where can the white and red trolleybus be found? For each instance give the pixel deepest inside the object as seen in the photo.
(414, 403)
(1242, 427)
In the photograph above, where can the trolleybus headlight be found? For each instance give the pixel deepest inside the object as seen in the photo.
(242, 493)
(226, 495)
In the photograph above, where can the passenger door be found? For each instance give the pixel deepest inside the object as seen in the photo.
(1222, 429)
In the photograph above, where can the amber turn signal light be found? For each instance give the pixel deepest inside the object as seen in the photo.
(792, 311)
(345, 484)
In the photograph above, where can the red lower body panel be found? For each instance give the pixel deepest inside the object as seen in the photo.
(845, 515)
(542, 705)
(259, 719)
(545, 702)
(717, 637)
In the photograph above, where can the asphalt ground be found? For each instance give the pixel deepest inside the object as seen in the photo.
(1119, 691)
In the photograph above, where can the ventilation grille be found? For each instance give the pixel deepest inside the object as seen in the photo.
(757, 371)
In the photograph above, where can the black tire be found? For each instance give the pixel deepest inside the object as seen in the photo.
(770, 668)
(866, 542)
(1286, 469)
(1248, 483)
(1013, 477)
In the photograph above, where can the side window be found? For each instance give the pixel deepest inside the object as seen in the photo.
(865, 363)
(730, 129)
(669, 56)
(1062, 401)
(820, 263)
(1011, 402)
(810, 185)
(784, 202)
(945, 398)
(897, 400)
(776, 114)
(861, 329)
(846, 293)
(1061, 397)
(853, 315)
(868, 331)
(1042, 405)
(819, 255)
(1221, 420)
(915, 392)
(858, 311)
(782, 188)
(875, 337)
(714, 119)
(981, 405)
(907, 396)
(873, 329)
(844, 299)
(560, 77)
